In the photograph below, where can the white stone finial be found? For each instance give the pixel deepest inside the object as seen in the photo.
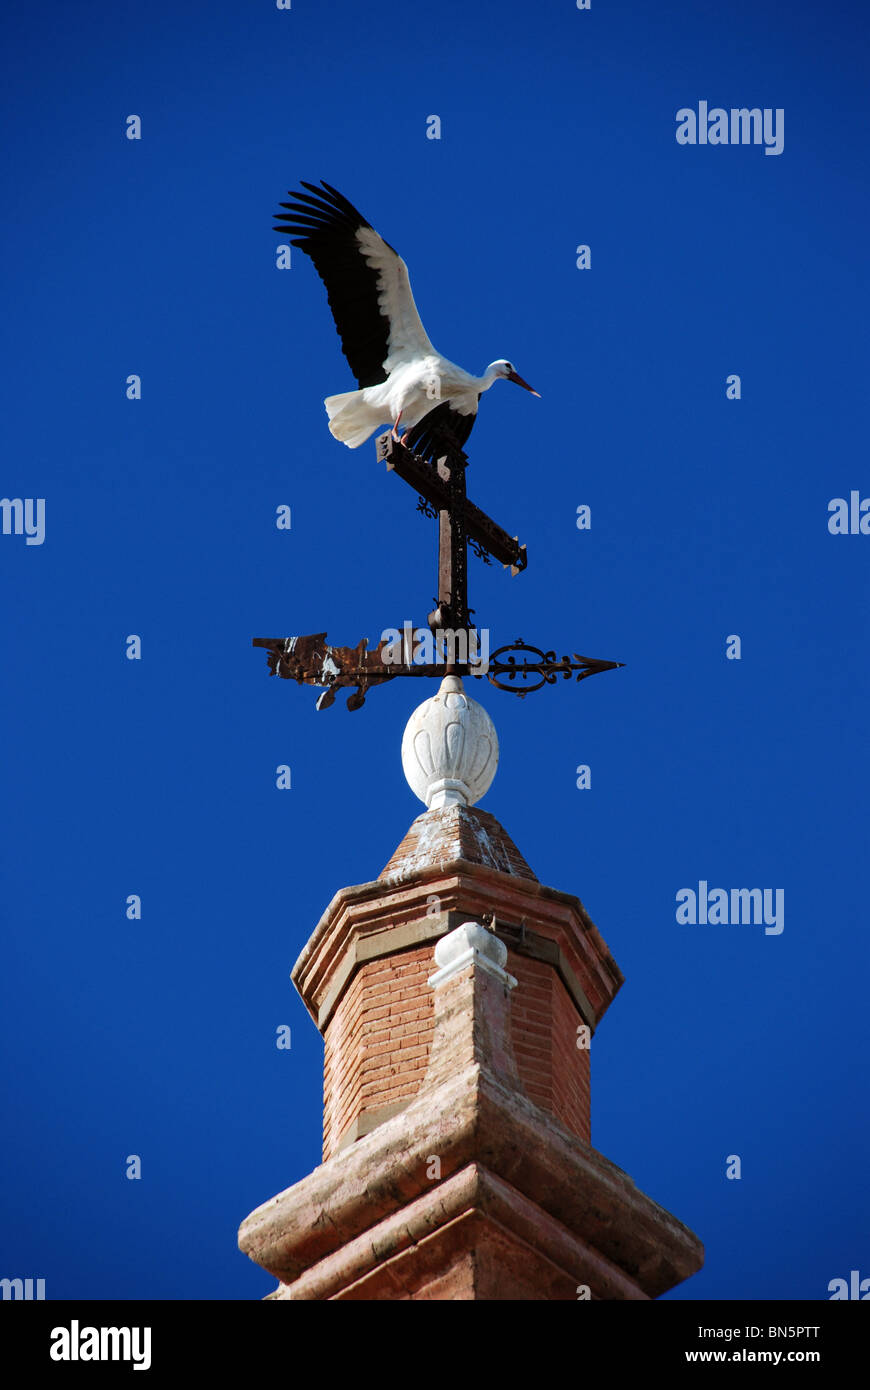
(450, 748)
(471, 944)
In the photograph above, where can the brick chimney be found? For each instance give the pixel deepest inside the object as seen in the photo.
(456, 995)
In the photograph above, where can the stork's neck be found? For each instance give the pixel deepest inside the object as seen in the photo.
(490, 375)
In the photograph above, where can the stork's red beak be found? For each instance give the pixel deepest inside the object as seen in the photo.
(514, 376)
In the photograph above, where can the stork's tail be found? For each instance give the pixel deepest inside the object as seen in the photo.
(351, 419)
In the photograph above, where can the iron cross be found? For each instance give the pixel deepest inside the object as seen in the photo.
(311, 660)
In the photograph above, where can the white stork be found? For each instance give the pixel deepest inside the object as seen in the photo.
(401, 376)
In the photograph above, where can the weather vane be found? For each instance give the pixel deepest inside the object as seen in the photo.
(403, 379)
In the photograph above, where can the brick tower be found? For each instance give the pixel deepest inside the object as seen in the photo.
(456, 996)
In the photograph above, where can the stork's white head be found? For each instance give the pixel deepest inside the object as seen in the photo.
(505, 369)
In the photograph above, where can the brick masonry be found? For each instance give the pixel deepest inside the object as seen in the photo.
(378, 1039)
(486, 1079)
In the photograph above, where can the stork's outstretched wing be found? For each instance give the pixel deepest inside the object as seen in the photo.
(366, 281)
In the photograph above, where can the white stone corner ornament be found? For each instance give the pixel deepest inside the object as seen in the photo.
(471, 944)
(450, 748)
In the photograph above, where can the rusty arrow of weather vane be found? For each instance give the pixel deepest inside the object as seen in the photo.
(518, 667)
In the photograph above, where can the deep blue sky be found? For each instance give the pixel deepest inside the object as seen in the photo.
(709, 517)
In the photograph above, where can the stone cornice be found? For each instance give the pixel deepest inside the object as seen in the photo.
(379, 918)
(472, 1118)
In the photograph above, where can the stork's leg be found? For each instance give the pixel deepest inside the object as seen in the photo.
(395, 428)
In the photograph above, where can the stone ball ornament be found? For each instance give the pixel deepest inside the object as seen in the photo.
(450, 748)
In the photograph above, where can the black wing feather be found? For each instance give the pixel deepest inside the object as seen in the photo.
(323, 224)
(443, 426)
